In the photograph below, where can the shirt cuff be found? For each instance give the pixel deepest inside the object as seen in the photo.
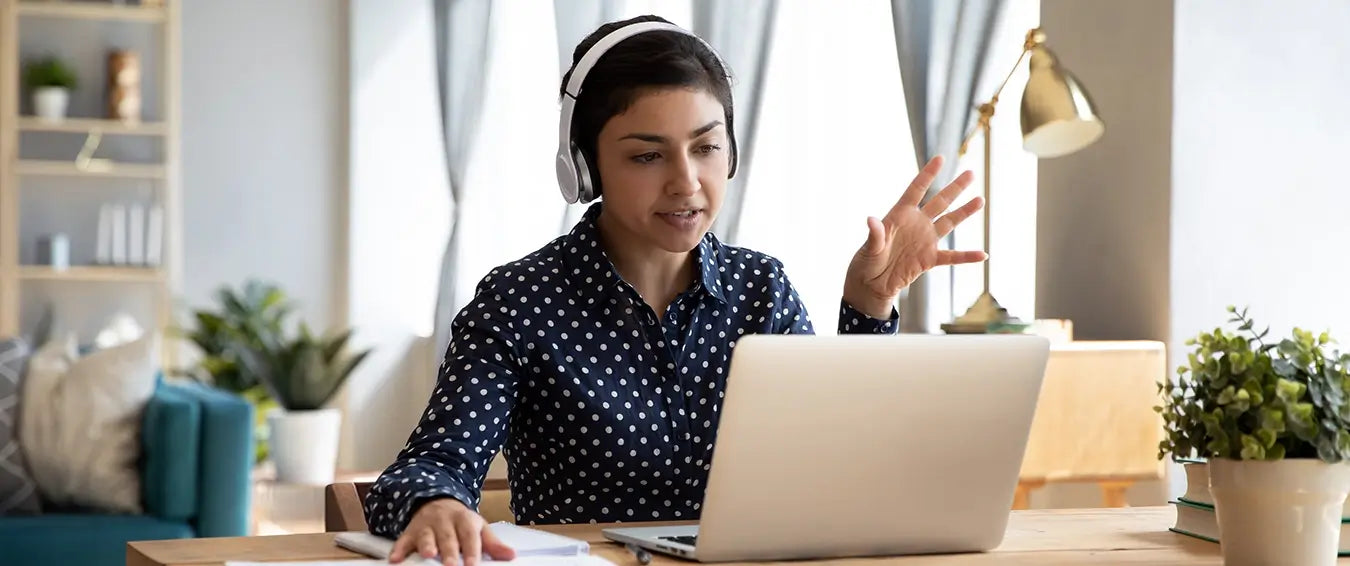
(853, 321)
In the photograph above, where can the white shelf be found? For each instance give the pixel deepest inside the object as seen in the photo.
(34, 167)
(90, 125)
(90, 11)
(91, 273)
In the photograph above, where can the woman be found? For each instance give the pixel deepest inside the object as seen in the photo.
(597, 362)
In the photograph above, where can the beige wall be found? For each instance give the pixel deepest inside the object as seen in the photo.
(1103, 213)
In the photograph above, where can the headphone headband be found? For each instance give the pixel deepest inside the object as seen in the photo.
(574, 174)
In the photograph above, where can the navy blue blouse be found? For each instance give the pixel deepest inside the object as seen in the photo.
(606, 412)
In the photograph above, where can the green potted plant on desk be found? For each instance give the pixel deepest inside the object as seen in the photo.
(303, 374)
(1272, 421)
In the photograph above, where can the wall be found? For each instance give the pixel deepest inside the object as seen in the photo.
(1103, 212)
(1259, 195)
(264, 150)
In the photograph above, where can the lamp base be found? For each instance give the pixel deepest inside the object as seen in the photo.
(985, 316)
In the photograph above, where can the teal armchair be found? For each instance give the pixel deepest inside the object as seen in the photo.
(196, 481)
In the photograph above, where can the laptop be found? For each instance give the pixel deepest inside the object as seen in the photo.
(844, 446)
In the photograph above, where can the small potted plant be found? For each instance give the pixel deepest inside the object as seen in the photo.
(303, 374)
(1272, 421)
(51, 81)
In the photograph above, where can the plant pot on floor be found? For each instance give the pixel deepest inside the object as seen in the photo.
(1279, 512)
(50, 103)
(304, 445)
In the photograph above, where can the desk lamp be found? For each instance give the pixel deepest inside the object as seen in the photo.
(1058, 118)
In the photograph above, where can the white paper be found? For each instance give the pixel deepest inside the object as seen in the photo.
(526, 542)
(419, 561)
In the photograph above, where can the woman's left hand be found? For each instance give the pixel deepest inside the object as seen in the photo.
(904, 244)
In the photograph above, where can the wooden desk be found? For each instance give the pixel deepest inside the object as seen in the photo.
(1078, 536)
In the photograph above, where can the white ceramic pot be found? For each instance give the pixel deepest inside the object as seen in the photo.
(1279, 512)
(50, 103)
(305, 445)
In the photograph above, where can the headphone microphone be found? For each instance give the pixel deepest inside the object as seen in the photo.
(578, 179)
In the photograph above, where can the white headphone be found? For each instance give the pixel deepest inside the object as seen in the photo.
(576, 178)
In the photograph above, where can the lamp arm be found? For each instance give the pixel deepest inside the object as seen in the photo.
(1034, 37)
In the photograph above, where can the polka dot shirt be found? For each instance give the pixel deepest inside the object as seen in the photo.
(605, 410)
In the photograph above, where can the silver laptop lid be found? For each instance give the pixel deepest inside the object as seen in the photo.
(857, 445)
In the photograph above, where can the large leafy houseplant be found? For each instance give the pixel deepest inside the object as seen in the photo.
(247, 317)
(1271, 419)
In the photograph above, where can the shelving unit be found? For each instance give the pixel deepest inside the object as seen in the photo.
(90, 10)
(91, 125)
(102, 281)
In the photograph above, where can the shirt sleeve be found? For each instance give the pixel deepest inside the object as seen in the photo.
(465, 423)
(852, 321)
(791, 317)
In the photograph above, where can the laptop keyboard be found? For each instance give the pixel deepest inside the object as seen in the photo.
(689, 540)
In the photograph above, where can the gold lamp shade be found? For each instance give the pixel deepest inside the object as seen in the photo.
(1058, 117)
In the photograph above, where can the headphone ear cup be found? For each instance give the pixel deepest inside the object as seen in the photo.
(586, 183)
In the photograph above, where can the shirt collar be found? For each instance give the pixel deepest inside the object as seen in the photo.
(590, 270)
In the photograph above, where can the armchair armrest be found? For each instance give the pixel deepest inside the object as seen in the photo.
(199, 454)
(171, 437)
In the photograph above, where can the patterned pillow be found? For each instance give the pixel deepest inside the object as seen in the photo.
(18, 492)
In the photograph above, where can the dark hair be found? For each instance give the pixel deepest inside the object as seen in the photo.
(658, 59)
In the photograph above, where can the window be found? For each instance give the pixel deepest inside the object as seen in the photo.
(833, 145)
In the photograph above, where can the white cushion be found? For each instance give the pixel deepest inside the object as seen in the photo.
(81, 428)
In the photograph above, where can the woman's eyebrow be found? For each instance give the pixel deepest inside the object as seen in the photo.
(656, 138)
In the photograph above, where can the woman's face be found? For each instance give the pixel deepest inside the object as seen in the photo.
(663, 166)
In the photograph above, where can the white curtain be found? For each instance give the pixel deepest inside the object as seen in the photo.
(742, 33)
(463, 29)
(943, 47)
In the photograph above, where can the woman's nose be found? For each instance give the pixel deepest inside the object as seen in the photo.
(683, 178)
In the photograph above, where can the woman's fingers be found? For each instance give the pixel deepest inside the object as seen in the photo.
(913, 195)
(470, 543)
(949, 221)
(426, 543)
(947, 195)
(402, 547)
(495, 548)
(953, 257)
(448, 541)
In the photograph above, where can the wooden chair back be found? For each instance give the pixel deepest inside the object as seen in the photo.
(344, 510)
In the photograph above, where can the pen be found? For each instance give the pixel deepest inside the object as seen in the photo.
(643, 557)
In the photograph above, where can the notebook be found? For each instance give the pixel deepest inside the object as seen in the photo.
(525, 541)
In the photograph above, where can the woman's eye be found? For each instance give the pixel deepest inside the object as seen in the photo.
(709, 148)
(646, 157)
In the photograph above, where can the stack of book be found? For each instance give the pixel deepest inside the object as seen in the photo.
(1195, 508)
